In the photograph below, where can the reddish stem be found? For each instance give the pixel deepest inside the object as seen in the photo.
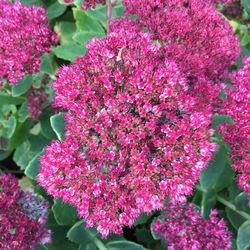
(111, 4)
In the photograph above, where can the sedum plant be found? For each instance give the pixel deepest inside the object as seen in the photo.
(125, 123)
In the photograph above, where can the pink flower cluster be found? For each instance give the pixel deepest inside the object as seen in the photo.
(234, 10)
(118, 24)
(25, 36)
(68, 1)
(237, 135)
(183, 228)
(87, 4)
(36, 99)
(192, 32)
(224, 2)
(23, 217)
(134, 136)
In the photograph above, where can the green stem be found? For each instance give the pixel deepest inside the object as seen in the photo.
(227, 204)
(232, 206)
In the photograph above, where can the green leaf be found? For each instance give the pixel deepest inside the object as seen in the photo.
(118, 11)
(84, 36)
(25, 183)
(144, 236)
(219, 119)
(55, 10)
(243, 239)
(37, 142)
(142, 219)
(22, 86)
(235, 218)
(47, 65)
(80, 234)
(4, 143)
(124, 245)
(90, 246)
(20, 134)
(69, 51)
(78, 3)
(64, 213)
(4, 154)
(38, 80)
(99, 13)
(241, 202)
(64, 245)
(234, 24)
(8, 99)
(31, 2)
(218, 175)
(11, 126)
(23, 155)
(197, 197)
(113, 237)
(46, 128)
(40, 247)
(33, 167)
(65, 31)
(58, 125)
(208, 202)
(245, 39)
(23, 113)
(59, 239)
(84, 22)
(246, 5)
(233, 190)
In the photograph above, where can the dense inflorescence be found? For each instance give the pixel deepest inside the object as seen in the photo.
(25, 36)
(123, 23)
(192, 32)
(233, 10)
(183, 228)
(133, 134)
(36, 99)
(237, 135)
(224, 2)
(87, 4)
(22, 217)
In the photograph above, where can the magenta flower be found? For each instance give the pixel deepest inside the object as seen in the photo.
(25, 36)
(237, 135)
(87, 4)
(23, 217)
(134, 136)
(118, 24)
(183, 228)
(192, 32)
(36, 99)
(224, 2)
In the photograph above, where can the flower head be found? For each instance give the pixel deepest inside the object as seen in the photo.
(192, 32)
(36, 98)
(123, 23)
(23, 217)
(133, 135)
(87, 4)
(25, 36)
(184, 228)
(237, 135)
